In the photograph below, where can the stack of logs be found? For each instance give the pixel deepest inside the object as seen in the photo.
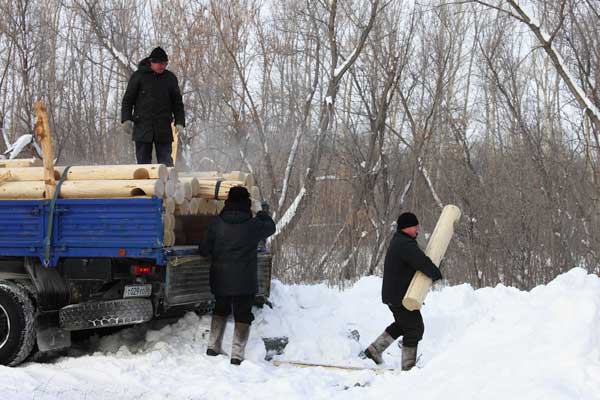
(184, 194)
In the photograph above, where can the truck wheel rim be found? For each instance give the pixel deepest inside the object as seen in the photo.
(4, 327)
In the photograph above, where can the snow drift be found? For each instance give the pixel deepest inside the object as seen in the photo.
(492, 343)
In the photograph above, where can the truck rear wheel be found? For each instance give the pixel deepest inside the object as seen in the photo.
(17, 324)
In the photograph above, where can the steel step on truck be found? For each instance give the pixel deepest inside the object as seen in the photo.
(79, 264)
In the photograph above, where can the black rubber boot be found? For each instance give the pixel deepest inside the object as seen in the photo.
(376, 349)
(215, 340)
(409, 357)
(240, 339)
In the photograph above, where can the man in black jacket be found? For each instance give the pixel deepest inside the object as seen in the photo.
(151, 102)
(232, 241)
(403, 259)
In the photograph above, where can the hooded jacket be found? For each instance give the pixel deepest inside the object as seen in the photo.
(403, 259)
(232, 241)
(152, 101)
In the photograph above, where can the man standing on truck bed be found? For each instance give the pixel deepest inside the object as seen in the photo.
(232, 242)
(151, 102)
(403, 259)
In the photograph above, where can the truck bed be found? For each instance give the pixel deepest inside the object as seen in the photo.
(126, 228)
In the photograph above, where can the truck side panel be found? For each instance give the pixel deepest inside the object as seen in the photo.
(84, 228)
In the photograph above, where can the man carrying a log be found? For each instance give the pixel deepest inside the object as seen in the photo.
(403, 259)
(232, 240)
(152, 101)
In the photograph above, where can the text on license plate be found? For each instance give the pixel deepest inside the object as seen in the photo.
(137, 291)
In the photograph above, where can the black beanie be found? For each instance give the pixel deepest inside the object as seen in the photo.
(238, 199)
(158, 54)
(406, 220)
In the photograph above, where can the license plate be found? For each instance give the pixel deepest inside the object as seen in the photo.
(137, 291)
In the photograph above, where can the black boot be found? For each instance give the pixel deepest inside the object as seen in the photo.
(215, 340)
(240, 339)
(376, 349)
(409, 357)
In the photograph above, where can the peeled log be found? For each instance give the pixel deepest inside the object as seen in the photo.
(169, 238)
(179, 195)
(247, 179)
(115, 172)
(173, 175)
(195, 205)
(436, 248)
(208, 188)
(114, 188)
(20, 163)
(22, 190)
(168, 222)
(169, 206)
(25, 174)
(183, 208)
(193, 182)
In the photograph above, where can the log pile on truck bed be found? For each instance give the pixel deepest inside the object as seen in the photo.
(183, 194)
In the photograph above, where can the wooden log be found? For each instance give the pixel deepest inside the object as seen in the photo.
(44, 135)
(173, 175)
(195, 205)
(115, 172)
(168, 222)
(193, 182)
(179, 196)
(436, 248)
(246, 178)
(169, 206)
(170, 189)
(183, 208)
(169, 238)
(4, 176)
(208, 188)
(110, 189)
(175, 143)
(22, 190)
(20, 174)
(20, 163)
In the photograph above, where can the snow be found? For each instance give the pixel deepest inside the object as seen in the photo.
(492, 343)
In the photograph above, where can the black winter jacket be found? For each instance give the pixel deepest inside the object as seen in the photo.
(403, 258)
(232, 240)
(152, 101)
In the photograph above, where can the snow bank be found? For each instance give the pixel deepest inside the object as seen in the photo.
(492, 343)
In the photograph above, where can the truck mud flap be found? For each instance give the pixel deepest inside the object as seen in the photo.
(187, 280)
(101, 314)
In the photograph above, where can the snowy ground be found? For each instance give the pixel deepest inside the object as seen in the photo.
(493, 343)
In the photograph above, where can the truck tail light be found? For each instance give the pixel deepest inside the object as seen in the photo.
(142, 269)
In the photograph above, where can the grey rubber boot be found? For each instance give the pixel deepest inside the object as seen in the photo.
(409, 357)
(215, 340)
(376, 349)
(240, 339)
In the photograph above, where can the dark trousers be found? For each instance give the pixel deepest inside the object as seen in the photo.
(408, 324)
(143, 153)
(241, 306)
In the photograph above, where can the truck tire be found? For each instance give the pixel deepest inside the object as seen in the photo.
(107, 313)
(17, 324)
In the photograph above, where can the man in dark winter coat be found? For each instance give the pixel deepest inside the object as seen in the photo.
(151, 102)
(232, 240)
(403, 259)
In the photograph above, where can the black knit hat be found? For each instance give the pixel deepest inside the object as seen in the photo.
(238, 199)
(406, 220)
(158, 54)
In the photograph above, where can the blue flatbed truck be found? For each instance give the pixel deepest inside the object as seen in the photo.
(79, 264)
